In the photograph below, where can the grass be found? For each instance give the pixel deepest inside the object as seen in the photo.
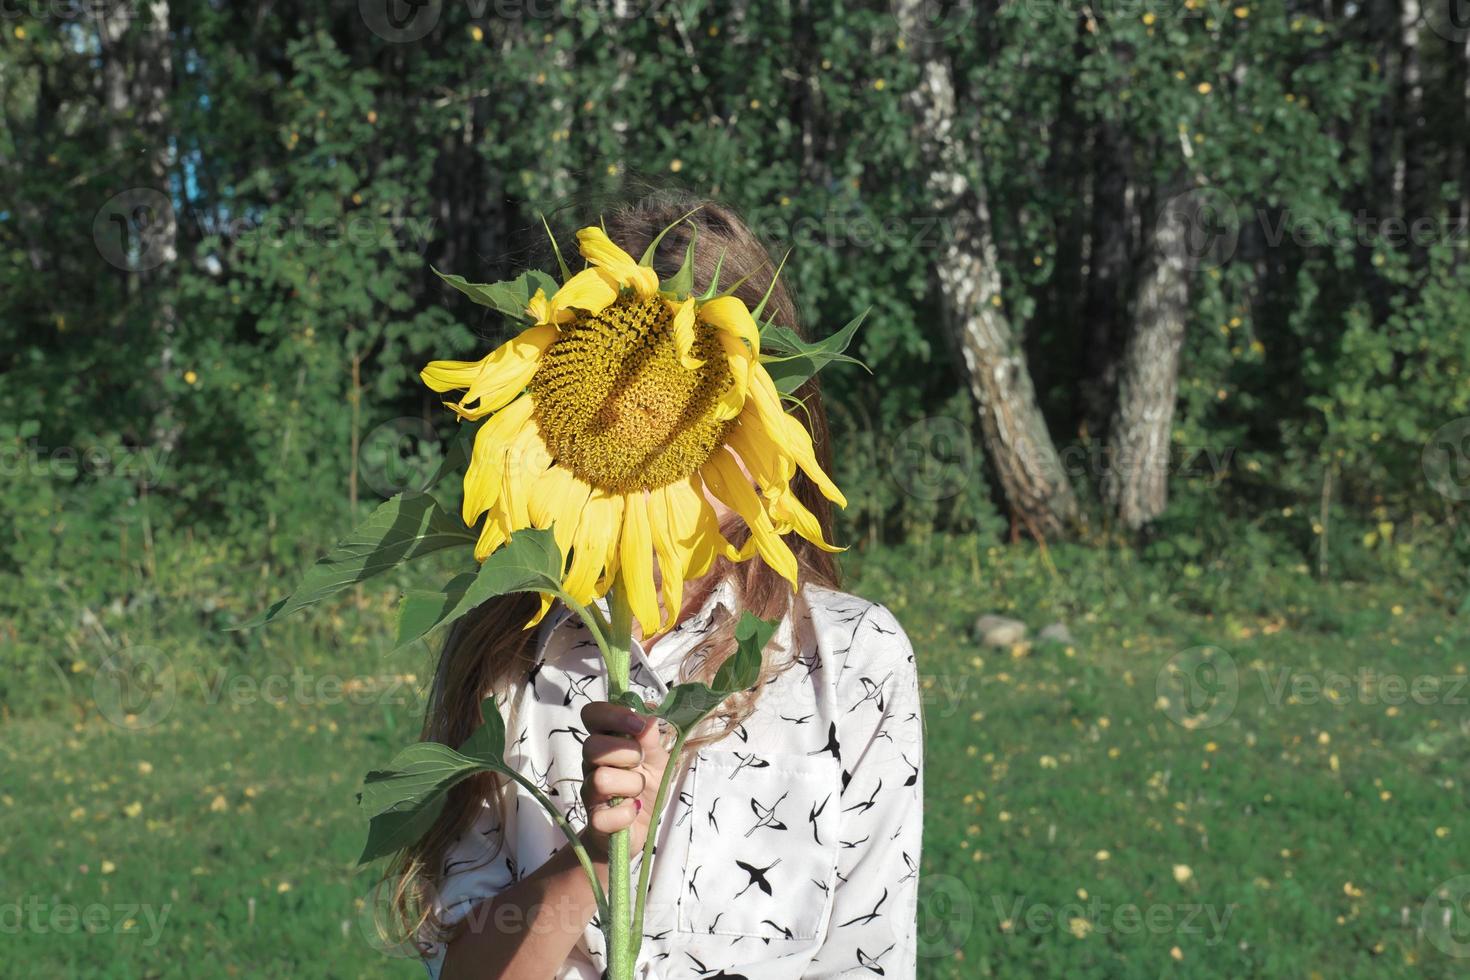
(1074, 826)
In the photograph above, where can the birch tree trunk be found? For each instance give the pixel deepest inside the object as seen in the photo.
(1135, 486)
(1026, 463)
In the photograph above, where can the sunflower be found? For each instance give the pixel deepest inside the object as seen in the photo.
(609, 419)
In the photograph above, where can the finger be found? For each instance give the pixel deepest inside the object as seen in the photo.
(608, 782)
(611, 750)
(603, 716)
(611, 819)
(652, 739)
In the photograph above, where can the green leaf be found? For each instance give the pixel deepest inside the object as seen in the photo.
(686, 705)
(406, 527)
(797, 360)
(414, 776)
(529, 562)
(404, 800)
(396, 829)
(487, 743)
(509, 297)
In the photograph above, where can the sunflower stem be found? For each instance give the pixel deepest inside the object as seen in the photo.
(617, 926)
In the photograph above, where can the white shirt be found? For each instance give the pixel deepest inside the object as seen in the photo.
(788, 849)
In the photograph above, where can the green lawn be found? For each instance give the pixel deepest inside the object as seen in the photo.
(1077, 824)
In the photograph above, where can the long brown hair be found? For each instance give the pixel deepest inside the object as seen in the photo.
(488, 650)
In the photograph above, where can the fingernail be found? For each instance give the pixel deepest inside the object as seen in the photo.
(637, 805)
(633, 723)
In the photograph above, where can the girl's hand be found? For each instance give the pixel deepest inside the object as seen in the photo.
(623, 756)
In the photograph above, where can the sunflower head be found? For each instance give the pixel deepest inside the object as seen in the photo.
(611, 416)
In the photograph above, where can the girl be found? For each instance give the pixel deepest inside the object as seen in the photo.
(790, 843)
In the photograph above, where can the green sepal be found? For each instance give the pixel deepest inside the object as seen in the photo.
(404, 800)
(686, 705)
(795, 360)
(681, 283)
(510, 297)
(561, 263)
(529, 562)
(760, 308)
(714, 282)
(648, 253)
(400, 530)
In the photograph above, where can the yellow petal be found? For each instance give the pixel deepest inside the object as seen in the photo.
(557, 502)
(672, 556)
(789, 513)
(770, 465)
(730, 485)
(598, 249)
(588, 290)
(729, 314)
(590, 545)
(696, 528)
(482, 479)
(732, 400)
(684, 335)
(635, 570)
(789, 433)
(495, 380)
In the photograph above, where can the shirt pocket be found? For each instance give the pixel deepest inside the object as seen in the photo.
(762, 845)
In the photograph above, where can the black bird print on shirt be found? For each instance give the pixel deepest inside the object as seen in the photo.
(765, 816)
(871, 962)
(870, 916)
(757, 877)
(817, 812)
